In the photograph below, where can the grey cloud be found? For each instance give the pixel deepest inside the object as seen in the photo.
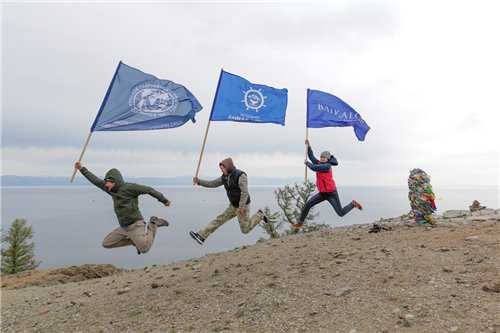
(62, 57)
(58, 60)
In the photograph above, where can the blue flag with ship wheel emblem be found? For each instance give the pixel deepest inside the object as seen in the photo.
(239, 100)
(139, 101)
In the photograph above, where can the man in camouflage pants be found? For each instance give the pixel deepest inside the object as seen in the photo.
(235, 182)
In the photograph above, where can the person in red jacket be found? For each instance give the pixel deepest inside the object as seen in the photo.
(325, 184)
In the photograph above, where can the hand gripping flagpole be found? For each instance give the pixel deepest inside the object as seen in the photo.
(208, 127)
(95, 120)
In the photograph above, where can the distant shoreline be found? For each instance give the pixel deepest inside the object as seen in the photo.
(255, 184)
(16, 181)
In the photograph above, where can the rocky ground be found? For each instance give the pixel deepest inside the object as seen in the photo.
(49, 277)
(406, 278)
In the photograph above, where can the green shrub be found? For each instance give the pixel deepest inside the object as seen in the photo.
(291, 199)
(18, 253)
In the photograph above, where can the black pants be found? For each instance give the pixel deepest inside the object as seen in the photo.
(333, 199)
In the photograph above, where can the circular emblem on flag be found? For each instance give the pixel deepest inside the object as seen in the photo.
(152, 98)
(254, 99)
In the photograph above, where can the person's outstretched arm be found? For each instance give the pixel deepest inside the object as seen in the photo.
(208, 183)
(143, 189)
(311, 156)
(333, 161)
(90, 176)
(310, 153)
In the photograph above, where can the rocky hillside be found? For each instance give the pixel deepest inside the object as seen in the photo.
(405, 278)
(49, 277)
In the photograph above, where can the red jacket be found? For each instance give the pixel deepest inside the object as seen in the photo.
(324, 174)
(325, 182)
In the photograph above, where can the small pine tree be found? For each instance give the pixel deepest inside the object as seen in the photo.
(18, 254)
(292, 199)
(274, 224)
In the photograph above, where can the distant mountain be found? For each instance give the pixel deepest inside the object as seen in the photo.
(10, 180)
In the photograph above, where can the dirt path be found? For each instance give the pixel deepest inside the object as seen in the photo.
(410, 279)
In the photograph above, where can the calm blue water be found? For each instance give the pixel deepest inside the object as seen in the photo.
(70, 222)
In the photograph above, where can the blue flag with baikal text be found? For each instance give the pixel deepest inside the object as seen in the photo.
(139, 101)
(239, 100)
(326, 110)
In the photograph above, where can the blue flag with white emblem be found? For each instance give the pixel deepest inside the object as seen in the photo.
(326, 110)
(139, 101)
(239, 100)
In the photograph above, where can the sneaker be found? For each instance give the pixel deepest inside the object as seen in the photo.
(357, 205)
(197, 237)
(264, 217)
(159, 222)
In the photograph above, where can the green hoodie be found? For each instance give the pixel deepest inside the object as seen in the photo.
(125, 195)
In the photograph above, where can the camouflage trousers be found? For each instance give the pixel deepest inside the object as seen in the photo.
(247, 223)
(136, 234)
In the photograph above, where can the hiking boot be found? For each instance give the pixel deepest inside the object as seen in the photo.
(197, 237)
(264, 217)
(357, 205)
(159, 222)
(297, 226)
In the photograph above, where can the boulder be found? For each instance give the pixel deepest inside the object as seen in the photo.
(487, 211)
(449, 214)
(476, 206)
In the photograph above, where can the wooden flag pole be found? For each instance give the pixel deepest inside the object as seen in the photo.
(305, 166)
(202, 149)
(96, 118)
(208, 126)
(81, 156)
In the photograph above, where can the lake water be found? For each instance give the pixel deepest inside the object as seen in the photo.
(70, 222)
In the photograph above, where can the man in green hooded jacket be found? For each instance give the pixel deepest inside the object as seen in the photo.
(133, 229)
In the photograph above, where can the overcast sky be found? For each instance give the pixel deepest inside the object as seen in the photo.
(424, 76)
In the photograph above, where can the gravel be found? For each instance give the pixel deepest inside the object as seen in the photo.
(408, 279)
